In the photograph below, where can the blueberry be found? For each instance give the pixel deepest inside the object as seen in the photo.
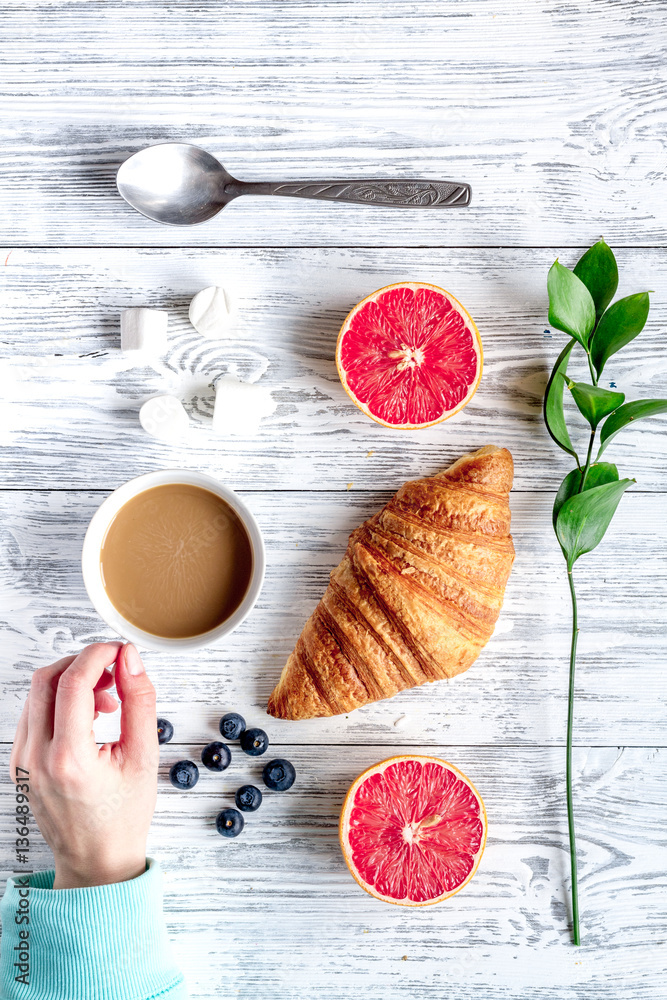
(229, 823)
(248, 798)
(232, 725)
(216, 756)
(165, 731)
(279, 775)
(184, 774)
(255, 742)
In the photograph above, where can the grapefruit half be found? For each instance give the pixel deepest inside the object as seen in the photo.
(412, 830)
(409, 355)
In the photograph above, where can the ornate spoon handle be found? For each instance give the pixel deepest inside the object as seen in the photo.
(412, 194)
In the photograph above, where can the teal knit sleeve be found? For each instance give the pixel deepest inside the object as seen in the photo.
(104, 942)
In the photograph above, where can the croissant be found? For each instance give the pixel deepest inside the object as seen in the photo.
(416, 596)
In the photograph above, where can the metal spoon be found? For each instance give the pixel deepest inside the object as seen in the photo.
(182, 185)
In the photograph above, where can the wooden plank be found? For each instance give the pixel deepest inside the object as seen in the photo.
(277, 906)
(555, 115)
(70, 417)
(515, 693)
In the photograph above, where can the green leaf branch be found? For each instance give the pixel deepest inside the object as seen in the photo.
(587, 499)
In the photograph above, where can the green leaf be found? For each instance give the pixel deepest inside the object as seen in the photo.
(554, 415)
(599, 272)
(584, 518)
(571, 307)
(598, 474)
(595, 403)
(620, 324)
(626, 414)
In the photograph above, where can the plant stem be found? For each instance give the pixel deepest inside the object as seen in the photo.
(570, 719)
(590, 368)
(588, 462)
(568, 769)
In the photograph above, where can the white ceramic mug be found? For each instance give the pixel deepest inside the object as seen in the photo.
(92, 570)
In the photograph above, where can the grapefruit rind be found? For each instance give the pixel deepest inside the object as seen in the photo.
(470, 324)
(346, 810)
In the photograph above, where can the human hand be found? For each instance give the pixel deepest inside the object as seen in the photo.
(93, 804)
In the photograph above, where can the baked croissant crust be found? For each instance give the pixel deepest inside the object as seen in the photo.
(416, 596)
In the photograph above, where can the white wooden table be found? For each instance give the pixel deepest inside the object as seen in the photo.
(556, 116)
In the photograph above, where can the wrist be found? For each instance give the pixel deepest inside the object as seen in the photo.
(76, 875)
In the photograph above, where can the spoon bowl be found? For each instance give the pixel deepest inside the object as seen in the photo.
(174, 183)
(179, 184)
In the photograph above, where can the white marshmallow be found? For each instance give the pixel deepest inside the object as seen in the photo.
(164, 418)
(239, 406)
(210, 312)
(144, 330)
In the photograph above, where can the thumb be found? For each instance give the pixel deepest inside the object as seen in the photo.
(138, 727)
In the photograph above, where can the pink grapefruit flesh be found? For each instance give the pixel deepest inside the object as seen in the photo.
(409, 355)
(412, 830)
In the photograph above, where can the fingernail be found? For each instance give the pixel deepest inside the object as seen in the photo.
(133, 660)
